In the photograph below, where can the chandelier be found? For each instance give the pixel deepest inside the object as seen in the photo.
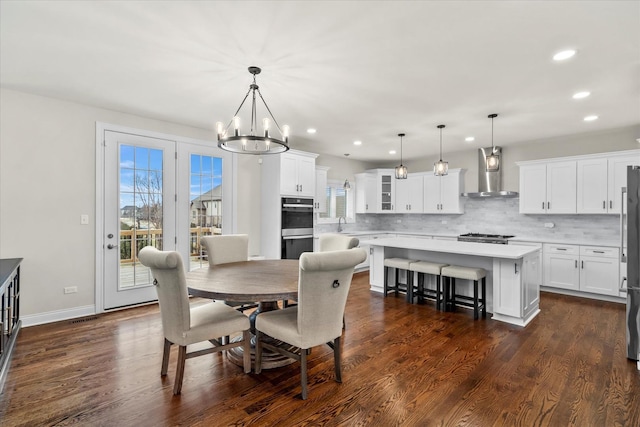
(252, 143)
(440, 168)
(401, 171)
(493, 160)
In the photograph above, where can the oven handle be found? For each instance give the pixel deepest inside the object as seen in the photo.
(306, 236)
(289, 205)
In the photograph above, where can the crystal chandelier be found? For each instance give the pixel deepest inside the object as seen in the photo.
(263, 143)
(440, 168)
(493, 160)
(401, 171)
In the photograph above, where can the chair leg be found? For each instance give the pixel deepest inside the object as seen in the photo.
(409, 287)
(397, 276)
(165, 357)
(452, 295)
(182, 355)
(336, 359)
(246, 349)
(484, 297)
(438, 292)
(258, 362)
(386, 281)
(475, 300)
(303, 373)
(420, 288)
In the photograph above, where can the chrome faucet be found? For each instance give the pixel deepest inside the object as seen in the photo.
(340, 223)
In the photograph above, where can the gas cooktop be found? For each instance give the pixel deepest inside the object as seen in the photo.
(484, 238)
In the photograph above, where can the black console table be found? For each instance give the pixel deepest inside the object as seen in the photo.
(10, 312)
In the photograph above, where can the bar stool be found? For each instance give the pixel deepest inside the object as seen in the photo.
(434, 269)
(398, 264)
(453, 272)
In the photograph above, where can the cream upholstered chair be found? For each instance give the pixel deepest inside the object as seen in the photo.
(323, 286)
(226, 248)
(336, 242)
(183, 325)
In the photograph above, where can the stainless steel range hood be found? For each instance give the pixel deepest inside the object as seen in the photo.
(490, 181)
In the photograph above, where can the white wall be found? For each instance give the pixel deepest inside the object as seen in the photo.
(47, 180)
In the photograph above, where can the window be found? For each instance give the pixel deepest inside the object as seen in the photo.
(340, 203)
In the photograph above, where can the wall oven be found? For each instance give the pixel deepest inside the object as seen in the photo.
(296, 226)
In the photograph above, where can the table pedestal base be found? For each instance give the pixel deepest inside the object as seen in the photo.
(270, 359)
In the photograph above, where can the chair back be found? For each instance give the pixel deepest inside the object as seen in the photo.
(336, 242)
(170, 283)
(226, 248)
(323, 286)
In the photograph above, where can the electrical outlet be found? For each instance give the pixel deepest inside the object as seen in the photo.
(70, 290)
(399, 221)
(444, 222)
(84, 219)
(549, 225)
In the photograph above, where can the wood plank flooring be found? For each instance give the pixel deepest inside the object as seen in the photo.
(403, 365)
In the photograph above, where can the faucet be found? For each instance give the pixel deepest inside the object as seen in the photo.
(340, 223)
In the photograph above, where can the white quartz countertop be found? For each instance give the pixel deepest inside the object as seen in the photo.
(454, 247)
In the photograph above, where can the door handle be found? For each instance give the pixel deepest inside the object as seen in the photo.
(623, 257)
(110, 246)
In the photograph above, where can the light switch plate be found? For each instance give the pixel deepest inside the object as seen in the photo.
(84, 219)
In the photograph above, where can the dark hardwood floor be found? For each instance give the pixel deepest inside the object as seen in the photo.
(405, 365)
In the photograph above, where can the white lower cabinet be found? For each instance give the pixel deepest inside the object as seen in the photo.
(591, 269)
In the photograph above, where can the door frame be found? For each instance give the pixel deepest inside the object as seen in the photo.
(230, 211)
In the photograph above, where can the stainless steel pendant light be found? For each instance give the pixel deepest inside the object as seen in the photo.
(493, 160)
(252, 143)
(401, 171)
(441, 168)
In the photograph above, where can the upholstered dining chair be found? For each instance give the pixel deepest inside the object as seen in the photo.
(226, 248)
(336, 242)
(323, 286)
(183, 325)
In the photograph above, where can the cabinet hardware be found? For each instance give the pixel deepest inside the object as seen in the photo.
(610, 204)
(542, 205)
(576, 264)
(604, 204)
(561, 249)
(515, 268)
(548, 205)
(370, 251)
(622, 288)
(582, 264)
(598, 252)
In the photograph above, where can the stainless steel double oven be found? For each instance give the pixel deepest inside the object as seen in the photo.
(297, 227)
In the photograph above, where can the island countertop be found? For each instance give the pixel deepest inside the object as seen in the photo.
(490, 250)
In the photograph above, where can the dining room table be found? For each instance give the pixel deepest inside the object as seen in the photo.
(265, 282)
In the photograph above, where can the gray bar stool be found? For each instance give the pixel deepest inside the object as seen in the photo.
(398, 264)
(434, 269)
(453, 272)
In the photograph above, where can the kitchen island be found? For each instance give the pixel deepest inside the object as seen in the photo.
(514, 273)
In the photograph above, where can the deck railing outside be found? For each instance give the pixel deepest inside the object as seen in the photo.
(153, 237)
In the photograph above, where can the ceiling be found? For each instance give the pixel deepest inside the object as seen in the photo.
(362, 70)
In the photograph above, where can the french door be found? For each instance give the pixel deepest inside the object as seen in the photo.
(139, 211)
(157, 190)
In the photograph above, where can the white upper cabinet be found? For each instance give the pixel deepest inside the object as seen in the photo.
(617, 178)
(442, 193)
(592, 186)
(588, 184)
(320, 202)
(297, 175)
(548, 188)
(409, 194)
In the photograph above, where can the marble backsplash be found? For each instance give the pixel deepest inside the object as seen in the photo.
(493, 216)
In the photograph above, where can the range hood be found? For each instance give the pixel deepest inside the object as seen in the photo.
(490, 181)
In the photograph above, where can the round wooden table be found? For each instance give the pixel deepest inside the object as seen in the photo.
(265, 282)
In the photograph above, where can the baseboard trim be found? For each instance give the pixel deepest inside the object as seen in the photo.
(609, 298)
(57, 316)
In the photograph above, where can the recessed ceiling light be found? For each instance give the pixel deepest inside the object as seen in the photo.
(311, 130)
(580, 95)
(565, 54)
(590, 118)
(469, 139)
(392, 151)
(357, 142)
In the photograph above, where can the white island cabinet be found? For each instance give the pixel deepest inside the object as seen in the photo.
(513, 272)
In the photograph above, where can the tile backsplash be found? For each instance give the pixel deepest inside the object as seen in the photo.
(493, 216)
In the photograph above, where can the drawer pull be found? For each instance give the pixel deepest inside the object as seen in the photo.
(561, 249)
(598, 252)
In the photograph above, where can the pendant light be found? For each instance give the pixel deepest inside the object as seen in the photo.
(401, 171)
(347, 184)
(493, 161)
(253, 143)
(440, 168)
